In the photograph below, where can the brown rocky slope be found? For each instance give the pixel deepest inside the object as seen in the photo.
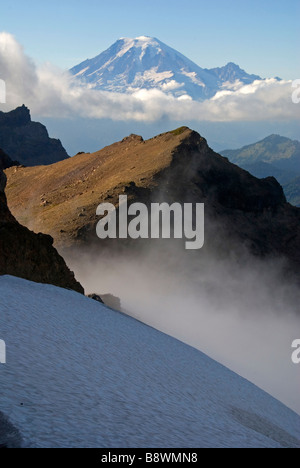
(28, 255)
(174, 167)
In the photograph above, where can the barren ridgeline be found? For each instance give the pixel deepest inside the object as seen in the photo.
(236, 298)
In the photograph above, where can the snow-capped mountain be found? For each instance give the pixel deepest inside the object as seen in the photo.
(232, 73)
(147, 63)
(81, 375)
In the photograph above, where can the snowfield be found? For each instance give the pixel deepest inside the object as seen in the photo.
(81, 375)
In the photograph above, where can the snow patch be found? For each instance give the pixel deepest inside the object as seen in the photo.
(152, 76)
(81, 72)
(81, 375)
(193, 77)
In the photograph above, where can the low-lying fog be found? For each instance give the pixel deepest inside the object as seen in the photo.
(242, 312)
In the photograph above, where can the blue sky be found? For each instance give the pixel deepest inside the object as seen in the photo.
(261, 36)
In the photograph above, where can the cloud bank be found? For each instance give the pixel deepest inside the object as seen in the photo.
(51, 92)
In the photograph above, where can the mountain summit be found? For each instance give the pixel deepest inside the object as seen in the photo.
(147, 63)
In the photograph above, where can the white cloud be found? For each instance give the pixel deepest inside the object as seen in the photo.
(51, 92)
(171, 85)
(232, 86)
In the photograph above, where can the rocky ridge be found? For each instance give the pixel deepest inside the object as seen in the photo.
(28, 142)
(177, 166)
(28, 255)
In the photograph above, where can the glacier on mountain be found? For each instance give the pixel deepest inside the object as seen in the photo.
(147, 63)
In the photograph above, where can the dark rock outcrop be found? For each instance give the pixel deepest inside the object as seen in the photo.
(28, 255)
(274, 156)
(28, 142)
(107, 299)
(5, 161)
(96, 298)
(10, 437)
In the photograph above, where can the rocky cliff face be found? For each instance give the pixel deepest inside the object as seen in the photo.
(28, 142)
(275, 156)
(174, 167)
(28, 255)
(5, 161)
